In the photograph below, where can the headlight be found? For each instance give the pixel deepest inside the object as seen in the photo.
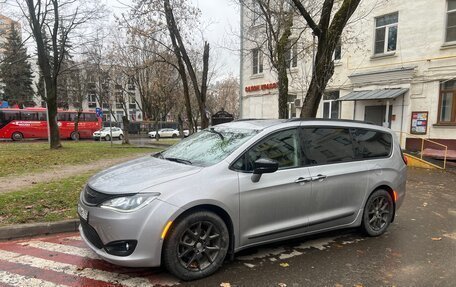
(130, 203)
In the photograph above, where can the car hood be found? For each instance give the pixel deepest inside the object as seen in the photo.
(139, 175)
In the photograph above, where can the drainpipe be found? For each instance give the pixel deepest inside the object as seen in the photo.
(241, 64)
(386, 123)
(354, 111)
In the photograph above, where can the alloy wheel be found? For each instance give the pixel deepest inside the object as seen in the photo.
(378, 213)
(199, 246)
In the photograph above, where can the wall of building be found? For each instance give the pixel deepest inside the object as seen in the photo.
(421, 61)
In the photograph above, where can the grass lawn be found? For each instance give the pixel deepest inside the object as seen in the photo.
(43, 202)
(22, 158)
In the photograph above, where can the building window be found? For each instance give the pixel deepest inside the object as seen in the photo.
(92, 101)
(257, 61)
(331, 105)
(256, 13)
(119, 116)
(132, 115)
(291, 106)
(451, 21)
(291, 55)
(386, 33)
(447, 102)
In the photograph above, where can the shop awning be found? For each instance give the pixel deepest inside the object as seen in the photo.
(374, 95)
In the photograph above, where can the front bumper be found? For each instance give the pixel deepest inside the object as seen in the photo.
(145, 226)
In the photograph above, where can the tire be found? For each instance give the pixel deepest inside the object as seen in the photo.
(107, 138)
(378, 213)
(17, 136)
(189, 252)
(174, 136)
(121, 137)
(75, 136)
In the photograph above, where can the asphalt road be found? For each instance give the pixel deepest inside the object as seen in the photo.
(419, 249)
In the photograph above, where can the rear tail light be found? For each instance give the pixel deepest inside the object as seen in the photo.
(405, 159)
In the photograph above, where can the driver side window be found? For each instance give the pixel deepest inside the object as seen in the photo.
(282, 147)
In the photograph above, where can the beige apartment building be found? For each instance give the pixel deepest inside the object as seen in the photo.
(396, 67)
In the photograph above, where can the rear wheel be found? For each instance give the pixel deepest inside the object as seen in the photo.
(121, 137)
(75, 136)
(17, 136)
(378, 213)
(196, 246)
(107, 138)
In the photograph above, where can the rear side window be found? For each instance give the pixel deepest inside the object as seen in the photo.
(325, 145)
(372, 144)
(282, 147)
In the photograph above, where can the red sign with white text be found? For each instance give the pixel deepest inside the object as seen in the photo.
(262, 87)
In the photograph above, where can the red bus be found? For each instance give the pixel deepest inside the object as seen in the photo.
(17, 124)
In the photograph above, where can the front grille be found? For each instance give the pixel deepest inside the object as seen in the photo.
(93, 197)
(91, 234)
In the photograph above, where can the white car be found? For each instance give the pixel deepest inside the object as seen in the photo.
(105, 133)
(167, 133)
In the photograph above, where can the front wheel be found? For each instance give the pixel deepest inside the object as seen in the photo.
(196, 246)
(174, 136)
(107, 138)
(378, 213)
(17, 136)
(121, 137)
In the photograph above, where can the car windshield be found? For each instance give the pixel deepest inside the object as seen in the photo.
(209, 146)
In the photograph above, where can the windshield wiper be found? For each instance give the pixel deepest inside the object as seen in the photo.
(212, 130)
(158, 154)
(179, 160)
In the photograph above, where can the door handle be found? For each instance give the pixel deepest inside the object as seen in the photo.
(302, 180)
(319, 177)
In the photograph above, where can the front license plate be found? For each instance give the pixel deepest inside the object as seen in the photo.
(83, 212)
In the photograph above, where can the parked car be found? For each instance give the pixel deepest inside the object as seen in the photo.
(105, 133)
(239, 185)
(167, 133)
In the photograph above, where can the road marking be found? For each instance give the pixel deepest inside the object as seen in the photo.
(13, 279)
(61, 248)
(94, 274)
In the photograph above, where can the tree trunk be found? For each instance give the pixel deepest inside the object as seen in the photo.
(126, 124)
(282, 66)
(51, 103)
(180, 124)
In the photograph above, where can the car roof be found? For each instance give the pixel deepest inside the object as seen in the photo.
(261, 124)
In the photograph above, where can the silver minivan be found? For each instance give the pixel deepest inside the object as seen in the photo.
(242, 184)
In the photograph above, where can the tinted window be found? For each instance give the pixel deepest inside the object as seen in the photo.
(42, 116)
(29, 116)
(62, 117)
(324, 145)
(89, 117)
(372, 144)
(282, 147)
(8, 116)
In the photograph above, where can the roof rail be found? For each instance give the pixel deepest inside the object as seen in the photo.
(250, 119)
(329, 120)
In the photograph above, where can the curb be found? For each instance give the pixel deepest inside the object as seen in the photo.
(35, 229)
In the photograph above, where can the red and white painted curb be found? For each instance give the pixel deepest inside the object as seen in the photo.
(64, 260)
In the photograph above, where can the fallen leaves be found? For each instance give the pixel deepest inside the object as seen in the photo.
(225, 284)
(284, 264)
(436, 238)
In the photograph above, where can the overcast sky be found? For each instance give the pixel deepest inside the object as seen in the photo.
(222, 17)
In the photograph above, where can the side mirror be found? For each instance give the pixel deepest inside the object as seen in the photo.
(263, 165)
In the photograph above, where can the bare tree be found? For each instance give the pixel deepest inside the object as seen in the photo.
(53, 17)
(270, 30)
(333, 18)
(224, 95)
